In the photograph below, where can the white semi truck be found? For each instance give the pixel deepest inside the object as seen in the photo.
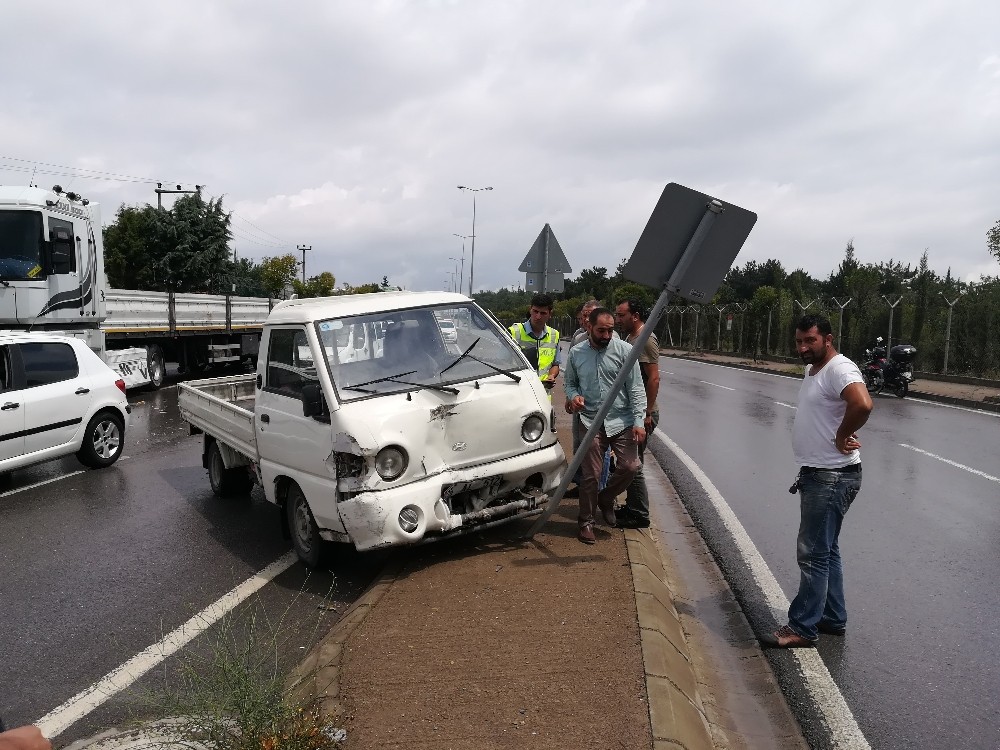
(52, 279)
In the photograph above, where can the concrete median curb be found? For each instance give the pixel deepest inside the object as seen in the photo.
(676, 713)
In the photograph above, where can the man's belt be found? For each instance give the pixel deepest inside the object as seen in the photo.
(850, 469)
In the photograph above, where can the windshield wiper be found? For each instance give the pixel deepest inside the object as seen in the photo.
(396, 379)
(360, 386)
(463, 355)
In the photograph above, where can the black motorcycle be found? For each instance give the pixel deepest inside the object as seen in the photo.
(894, 372)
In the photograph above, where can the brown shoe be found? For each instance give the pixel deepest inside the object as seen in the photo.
(609, 517)
(785, 637)
(586, 534)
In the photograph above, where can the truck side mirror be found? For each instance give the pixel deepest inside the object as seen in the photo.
(312, 400)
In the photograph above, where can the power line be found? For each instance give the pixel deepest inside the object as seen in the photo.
(98, 174)
(261, 231)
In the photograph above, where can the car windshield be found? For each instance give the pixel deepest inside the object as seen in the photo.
(20, 245)
(405, 350)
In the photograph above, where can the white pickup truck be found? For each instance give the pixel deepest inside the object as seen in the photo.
(404, 439)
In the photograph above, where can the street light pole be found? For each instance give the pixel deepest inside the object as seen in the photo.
(461, 274)
(472, 255)
(892, 309)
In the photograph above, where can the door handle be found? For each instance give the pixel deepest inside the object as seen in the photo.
(8, 406)
(81, 391)
(265, 419)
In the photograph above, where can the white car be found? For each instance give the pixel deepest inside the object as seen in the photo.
(57, 397)
(449, 334)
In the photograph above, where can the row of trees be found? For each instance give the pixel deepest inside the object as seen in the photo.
(755, 310)
(186, 248)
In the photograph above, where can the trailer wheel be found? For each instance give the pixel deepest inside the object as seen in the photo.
(305, 534)
(226, 482)
(103, 441)
(157, 371)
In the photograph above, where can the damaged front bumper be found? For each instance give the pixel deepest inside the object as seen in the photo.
(419, 511)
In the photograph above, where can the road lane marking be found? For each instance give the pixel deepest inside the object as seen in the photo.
(782, 403)
(717, 385)
(59, 719)
(42, 483)
(667, 372)
(948, 461)
(826, 696)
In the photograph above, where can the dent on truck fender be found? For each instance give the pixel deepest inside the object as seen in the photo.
(349, 461)
(365, 511)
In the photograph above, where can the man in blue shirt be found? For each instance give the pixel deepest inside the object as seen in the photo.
(591, 370)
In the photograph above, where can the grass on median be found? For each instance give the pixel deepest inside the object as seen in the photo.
(230, 693)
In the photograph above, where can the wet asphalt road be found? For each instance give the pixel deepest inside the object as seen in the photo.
(917, 668)
(98, 565)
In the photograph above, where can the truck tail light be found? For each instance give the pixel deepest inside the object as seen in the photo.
(121, 385)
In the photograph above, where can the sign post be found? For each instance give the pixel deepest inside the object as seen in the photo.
(677, 259)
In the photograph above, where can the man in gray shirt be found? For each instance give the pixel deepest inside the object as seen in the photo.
(590, 372)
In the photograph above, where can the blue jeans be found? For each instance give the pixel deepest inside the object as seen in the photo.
(826, 497)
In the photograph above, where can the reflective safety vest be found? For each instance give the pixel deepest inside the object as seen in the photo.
(540, 352)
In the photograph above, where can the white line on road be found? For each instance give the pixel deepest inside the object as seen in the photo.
(40, 484)
(667, 372)
(957, 465)
(717, 385)
(782, 403)
(59, 719)
(826, 696)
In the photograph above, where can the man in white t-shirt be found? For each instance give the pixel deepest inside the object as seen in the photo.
(833, 405)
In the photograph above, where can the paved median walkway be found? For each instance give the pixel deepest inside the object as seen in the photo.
(496, 641)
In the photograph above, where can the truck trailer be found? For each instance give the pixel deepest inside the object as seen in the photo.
(52, 279)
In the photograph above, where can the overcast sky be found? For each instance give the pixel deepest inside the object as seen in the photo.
(348, 125)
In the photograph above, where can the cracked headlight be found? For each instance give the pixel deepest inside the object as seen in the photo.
(532, 428)
(390, 463)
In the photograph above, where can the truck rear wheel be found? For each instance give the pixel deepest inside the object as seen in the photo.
(226, 482)
(305, 534)
(154, 363)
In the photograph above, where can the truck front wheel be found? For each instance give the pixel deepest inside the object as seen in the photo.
(305, 534)
(226, 482)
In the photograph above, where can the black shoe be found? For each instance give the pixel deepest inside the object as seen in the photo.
(629, 519)
(830, 630)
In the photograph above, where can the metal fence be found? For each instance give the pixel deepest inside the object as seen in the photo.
(952, 337)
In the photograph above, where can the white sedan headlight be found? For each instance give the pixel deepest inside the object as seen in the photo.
(532, 428)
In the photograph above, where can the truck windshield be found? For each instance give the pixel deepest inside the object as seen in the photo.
(20, 245)
(366, 353)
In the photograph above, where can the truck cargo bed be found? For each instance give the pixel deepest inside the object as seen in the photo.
(222, 408)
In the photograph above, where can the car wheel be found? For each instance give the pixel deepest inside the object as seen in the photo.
(226, 482)
(103, 441)
(154, 362)
(305, 534)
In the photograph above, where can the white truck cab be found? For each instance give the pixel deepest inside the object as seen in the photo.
(368, 427)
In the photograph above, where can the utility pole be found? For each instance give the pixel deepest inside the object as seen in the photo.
(303, 248)
(160, 190)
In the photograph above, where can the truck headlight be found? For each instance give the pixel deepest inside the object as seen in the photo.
(532, 428)
(390, 462)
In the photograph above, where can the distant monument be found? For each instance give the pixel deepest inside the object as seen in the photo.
(545, 266)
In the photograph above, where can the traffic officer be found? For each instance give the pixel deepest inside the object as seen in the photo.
(538, 341)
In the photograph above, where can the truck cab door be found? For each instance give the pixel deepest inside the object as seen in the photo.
(289, 443)
(11, 410)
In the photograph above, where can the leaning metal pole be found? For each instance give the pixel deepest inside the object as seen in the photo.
(712, 210)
